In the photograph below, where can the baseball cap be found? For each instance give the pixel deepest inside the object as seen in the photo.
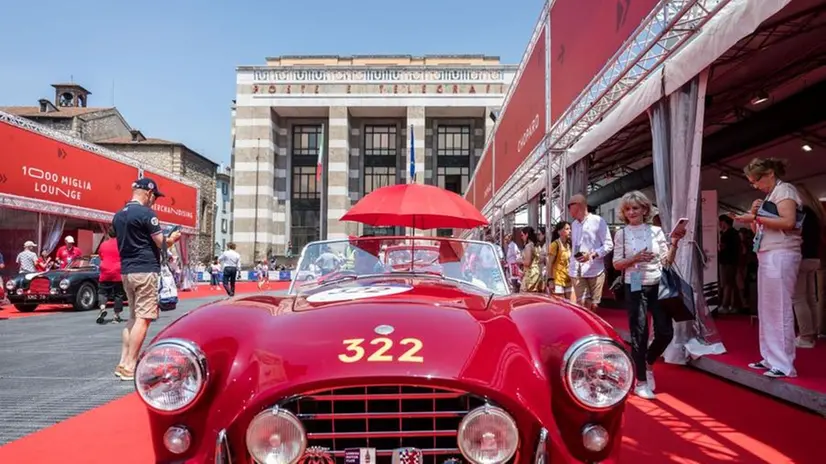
(145, 183)
(69, 239)
(29, 244)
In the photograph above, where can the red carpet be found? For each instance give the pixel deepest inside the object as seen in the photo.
(740, 337)
(696, 419)
(201, 291)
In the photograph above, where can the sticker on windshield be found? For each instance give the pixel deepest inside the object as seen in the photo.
(357, 293)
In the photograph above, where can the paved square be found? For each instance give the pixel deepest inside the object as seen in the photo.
(56, 366)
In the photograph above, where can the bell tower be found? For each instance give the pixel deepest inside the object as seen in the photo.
(70, 95)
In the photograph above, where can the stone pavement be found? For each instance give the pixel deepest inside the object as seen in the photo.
(56, 366)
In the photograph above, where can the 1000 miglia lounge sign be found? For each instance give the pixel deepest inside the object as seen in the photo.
(37, 167)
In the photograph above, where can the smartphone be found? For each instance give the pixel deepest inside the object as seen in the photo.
(682, 223)
(174, 229)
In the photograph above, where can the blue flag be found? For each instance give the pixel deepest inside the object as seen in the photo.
(412, 156)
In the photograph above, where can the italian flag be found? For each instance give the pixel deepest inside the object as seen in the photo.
(320, 165)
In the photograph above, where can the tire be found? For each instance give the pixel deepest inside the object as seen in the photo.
(86, 297)
(25, 308)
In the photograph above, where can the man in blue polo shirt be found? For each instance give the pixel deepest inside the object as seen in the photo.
(140, 240)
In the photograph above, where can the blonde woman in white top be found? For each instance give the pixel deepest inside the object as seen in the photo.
(640, 251)
(777, 243)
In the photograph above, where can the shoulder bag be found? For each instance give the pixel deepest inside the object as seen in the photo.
(676, 296)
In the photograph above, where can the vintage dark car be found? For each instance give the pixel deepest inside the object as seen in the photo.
(75, 285)
(361, 366)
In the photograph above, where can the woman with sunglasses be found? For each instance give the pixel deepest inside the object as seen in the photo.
(776, 222)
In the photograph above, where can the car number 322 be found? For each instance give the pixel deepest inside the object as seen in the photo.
(383, 351)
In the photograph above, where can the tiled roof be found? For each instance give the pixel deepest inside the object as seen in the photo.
(150, 141)
(128, 141)
(62, 112)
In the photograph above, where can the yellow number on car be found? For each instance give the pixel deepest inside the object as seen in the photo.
(379, 355)
(355, 352)
(410, 354)
(353, 346)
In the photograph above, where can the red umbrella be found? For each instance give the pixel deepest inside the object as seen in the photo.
(415, 205)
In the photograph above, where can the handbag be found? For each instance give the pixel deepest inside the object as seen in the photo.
(167, 288)
(676, 296)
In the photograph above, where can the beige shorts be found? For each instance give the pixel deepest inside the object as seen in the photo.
(589, 288)
(142, 292)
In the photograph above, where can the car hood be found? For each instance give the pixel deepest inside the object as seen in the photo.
(262, 350)
(57, 274)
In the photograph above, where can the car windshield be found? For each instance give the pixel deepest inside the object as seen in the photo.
(81, 262)
(462, 261)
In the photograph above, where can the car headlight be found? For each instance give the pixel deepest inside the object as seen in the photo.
(276, 436)
(10, 285)
(598, 372)
(488, 435)
(171, 375)
(64, 284)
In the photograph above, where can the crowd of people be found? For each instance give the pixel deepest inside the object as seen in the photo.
(767, 268)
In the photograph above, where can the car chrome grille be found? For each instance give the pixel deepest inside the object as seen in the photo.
(385, 418)
(39, 285)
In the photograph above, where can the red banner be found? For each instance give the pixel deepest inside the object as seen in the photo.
(583, 39)
(482, 181)
(179, 205)
(522, 123)
(38, 167)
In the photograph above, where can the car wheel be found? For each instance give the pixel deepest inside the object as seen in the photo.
(86, 297)
(25, 308)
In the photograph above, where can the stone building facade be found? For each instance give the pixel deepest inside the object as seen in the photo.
(70, 114)
(363, 108)
(178, 159)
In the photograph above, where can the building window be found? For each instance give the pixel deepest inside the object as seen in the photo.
(453, 141)
(223, 226)
(305, 192)
(381, 165)
(224, 189)
(204, 209)
(377, 177)
(305, 140)
(304, 228)
(380, 141)
(304, 183)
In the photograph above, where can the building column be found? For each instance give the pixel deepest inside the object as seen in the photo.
(253, 170)
(281, 211)
(416, 119)
(338, 171)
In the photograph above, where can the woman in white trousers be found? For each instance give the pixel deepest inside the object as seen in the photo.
(776, 221)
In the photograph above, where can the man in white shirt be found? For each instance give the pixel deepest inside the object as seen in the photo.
(590, 242)
(230, 261)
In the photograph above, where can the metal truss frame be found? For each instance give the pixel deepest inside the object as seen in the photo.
(44, 206)
(664, 32)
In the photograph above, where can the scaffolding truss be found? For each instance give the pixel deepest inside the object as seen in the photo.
(664, 32)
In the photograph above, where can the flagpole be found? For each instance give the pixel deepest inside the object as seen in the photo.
(412, 169)
(321, 180)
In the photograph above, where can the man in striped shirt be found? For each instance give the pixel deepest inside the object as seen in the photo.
(27, 258)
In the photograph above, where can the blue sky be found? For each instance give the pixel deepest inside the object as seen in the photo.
(172, 63)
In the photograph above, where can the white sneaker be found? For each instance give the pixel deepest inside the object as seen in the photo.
(803, 343)
(644, 391)
(649, 378)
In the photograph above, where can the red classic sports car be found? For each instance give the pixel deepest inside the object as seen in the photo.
(371, 365)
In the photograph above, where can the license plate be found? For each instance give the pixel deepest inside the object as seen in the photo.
(35, 297)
